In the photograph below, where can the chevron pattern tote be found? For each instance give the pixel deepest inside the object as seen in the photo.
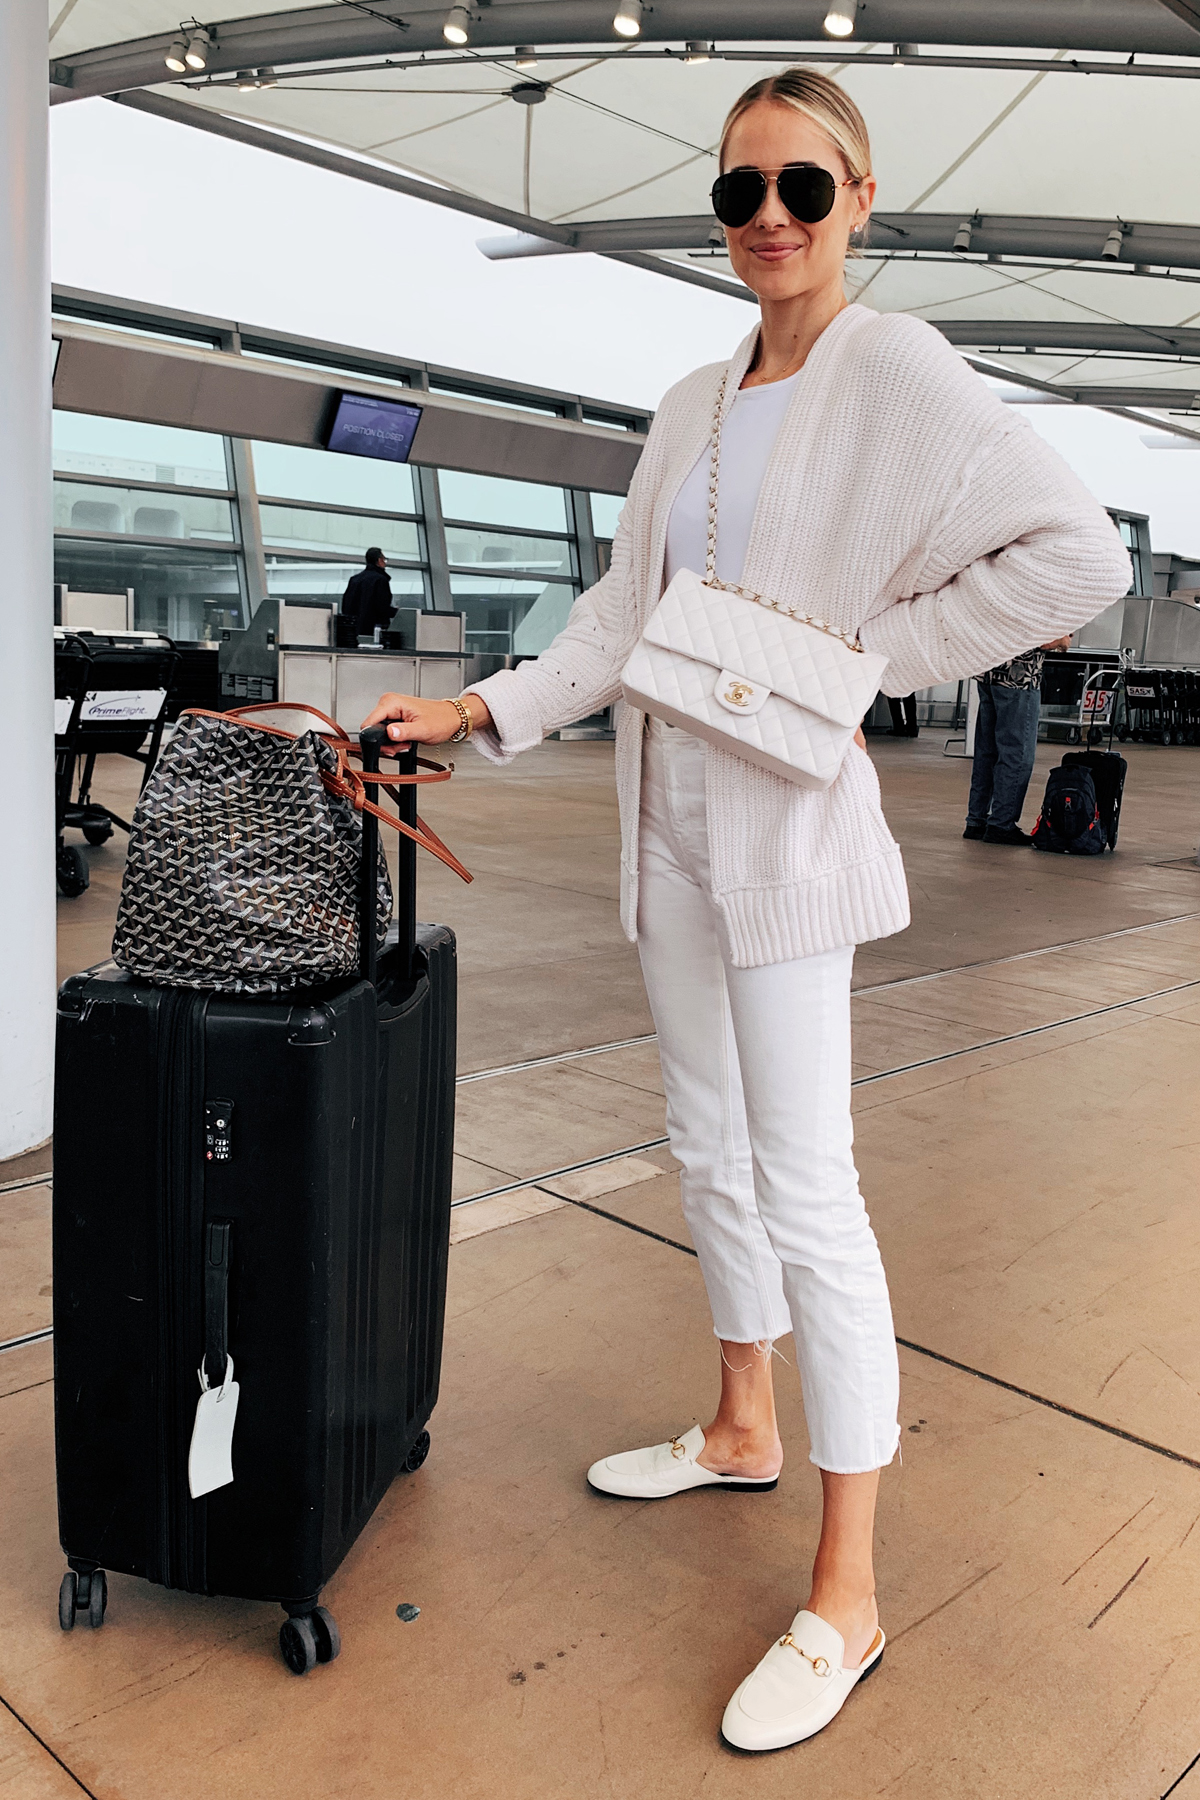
(244, 862)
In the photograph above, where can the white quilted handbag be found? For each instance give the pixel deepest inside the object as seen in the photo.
(750, 674)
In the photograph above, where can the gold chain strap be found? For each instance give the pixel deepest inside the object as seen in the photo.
(710, 558)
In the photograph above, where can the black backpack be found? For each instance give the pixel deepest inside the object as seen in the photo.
(1108, 772)
(1069, 822)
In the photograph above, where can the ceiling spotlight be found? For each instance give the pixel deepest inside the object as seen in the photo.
(962, 238)
(839, 20)
(1112, 244)
(176, 57)
(457, 29)
(627, 20)
(198, 46)
(246, 81)
(525, 57)
(267, 78)
(697, 51)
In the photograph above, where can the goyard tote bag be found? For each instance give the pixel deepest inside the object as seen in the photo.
(774, 685)
(244, 856)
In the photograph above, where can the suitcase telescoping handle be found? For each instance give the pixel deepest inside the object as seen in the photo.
(371, 742)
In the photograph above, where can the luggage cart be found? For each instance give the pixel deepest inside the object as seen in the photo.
(1181, 715)
(1161, 706)
(1141, 720)
(1102, 690)
(110, 698)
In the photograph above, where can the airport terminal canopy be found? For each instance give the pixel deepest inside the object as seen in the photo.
(1039, 188)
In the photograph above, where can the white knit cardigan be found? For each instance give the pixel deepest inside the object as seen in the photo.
(902, 500)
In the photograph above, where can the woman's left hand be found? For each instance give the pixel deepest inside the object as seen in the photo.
(859, 739)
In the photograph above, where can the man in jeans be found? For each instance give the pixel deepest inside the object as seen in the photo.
(1010, 700)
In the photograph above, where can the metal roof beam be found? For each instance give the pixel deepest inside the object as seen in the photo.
(992, 234)
(1071, 334)
(1187, 10)
(997, 370)
(325, 33)
(1170, 400)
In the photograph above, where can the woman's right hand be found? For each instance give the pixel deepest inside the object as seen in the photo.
(413, 721)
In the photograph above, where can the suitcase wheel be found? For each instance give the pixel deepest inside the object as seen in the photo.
(309, 1638)
(71, 869)
(298, 1641)
(83, 1594)
(97, 1599)
(417, 1454)
(329, 1638)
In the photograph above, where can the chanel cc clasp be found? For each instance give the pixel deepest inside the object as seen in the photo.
(738, 694)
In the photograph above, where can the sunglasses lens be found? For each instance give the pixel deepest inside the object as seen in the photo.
(737, 196)
(808, 194)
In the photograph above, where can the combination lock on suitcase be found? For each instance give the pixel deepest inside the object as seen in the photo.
(251, 1212)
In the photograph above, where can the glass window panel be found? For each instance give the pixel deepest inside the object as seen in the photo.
(549, 412)
(311, 362)
(606, 509)
(140, 331)
(294, 576)
(339, 531)
(190, 594)
(492, 501)
(80, 507)
(290, 473)
(84, 445)
(512, 617)
(501, 550)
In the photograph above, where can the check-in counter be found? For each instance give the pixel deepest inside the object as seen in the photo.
(346, 684)
(426, 658)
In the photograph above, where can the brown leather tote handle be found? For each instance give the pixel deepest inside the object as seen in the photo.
(422, 836)
(341, 742)
(349, 783)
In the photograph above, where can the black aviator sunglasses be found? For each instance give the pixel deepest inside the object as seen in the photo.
(806, 191)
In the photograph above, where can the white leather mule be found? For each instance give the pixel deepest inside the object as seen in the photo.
(797, 1688)
(664, 1469)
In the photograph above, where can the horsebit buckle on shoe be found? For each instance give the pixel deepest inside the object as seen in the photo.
(677, 1450)
(819, 1664)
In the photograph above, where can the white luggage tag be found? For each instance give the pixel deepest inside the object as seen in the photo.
(210, 1458)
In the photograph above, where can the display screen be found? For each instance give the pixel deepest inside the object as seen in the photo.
(364, 425)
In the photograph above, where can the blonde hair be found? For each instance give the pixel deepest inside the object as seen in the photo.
(818, 98)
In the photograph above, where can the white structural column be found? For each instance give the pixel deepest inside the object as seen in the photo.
(27, 888)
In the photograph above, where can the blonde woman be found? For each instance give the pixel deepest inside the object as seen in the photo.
(866, 475)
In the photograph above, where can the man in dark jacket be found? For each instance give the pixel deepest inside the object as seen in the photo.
(368, 596)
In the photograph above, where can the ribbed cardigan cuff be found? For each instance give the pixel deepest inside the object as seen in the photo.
(850, 905)
(514, 719)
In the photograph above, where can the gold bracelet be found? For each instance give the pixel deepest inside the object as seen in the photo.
(468, 724)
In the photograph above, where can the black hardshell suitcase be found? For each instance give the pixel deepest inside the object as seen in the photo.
(267, 1176)
(1108, 771)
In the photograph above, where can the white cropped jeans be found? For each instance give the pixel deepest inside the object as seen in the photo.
(756, 1066)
